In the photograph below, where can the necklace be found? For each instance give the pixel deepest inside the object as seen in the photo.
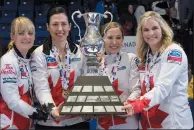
(64, 68)
(148, 67)
(25, 73)
(114, 69)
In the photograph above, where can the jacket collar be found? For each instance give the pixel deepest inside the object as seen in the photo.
(47, 46)
(19, 53)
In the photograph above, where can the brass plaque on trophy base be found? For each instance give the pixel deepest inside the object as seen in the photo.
(93, 95)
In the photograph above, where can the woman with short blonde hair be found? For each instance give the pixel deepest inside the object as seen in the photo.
(17, 26)
(15, 78)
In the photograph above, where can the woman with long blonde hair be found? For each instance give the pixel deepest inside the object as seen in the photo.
(163, 71)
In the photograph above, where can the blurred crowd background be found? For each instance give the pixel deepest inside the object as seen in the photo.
(178, 13)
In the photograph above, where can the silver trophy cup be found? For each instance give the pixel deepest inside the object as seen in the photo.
(92, 93)
(92, 43)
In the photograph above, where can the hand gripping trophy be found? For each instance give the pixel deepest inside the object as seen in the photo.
(92, 92)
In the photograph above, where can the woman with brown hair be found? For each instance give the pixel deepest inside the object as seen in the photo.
(122, 70)
(55, 67)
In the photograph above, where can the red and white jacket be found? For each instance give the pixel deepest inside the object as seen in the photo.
(127, 86)
(47, 81)
(15, 99)
(164, 104)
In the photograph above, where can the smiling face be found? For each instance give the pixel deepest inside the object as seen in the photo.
(59, 27)
(113, 40)
(152, 33)
(24, 40)
(23, 34)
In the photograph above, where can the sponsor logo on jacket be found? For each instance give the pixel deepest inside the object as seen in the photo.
(122, 68)
(75, 59)
(9, 80)
(33, 68)
(175, 56)
(23, 73)
(141, 69)
(8, 69)
(51, 61)
(136, 61)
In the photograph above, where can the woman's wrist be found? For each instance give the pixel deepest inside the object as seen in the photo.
(51, 113)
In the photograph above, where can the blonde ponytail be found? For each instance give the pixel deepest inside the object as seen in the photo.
(10, 45)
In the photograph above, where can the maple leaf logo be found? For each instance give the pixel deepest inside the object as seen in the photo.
(143, 91)
(107, 121)
(4, 108)
(57, 90)
(116, 87)
(18, 120)
(156, 116)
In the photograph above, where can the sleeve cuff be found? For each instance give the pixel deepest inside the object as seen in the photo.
(139, 105)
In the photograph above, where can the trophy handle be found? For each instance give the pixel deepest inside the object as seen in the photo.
(78, 16)
(105, 16)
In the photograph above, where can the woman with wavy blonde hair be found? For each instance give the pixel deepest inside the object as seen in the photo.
(167, 35)
(15, 78)
(163, 71)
